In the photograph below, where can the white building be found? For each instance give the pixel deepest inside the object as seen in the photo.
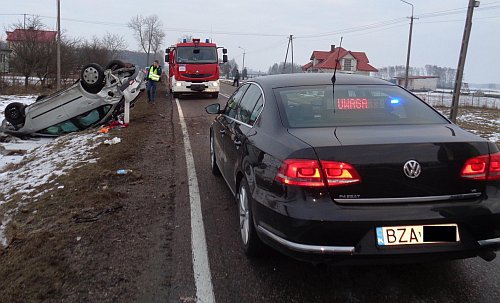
(419, 83)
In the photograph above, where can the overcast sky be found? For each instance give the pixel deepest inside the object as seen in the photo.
(262, 27)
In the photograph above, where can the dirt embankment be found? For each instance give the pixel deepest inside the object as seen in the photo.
(104, 237)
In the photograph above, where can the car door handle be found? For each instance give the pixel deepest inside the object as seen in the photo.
(237, 142)
(222, 131)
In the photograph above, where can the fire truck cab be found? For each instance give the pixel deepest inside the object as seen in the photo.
(193, 67)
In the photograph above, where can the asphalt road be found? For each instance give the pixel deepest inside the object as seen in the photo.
(276, 278)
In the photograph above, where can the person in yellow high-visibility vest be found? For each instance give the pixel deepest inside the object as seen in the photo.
(153, 76)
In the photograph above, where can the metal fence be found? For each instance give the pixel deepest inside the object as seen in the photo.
(472, 100)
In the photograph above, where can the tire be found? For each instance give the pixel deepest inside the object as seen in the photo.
(177, 95)
(214, 95)
(115, 64)
(92, 78)
(252, 245)
(213, 162)
(40, 97)
(15, 114)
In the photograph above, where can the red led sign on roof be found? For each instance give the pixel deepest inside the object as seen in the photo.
(352, 103)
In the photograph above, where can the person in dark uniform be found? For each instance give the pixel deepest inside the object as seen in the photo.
(236, 78)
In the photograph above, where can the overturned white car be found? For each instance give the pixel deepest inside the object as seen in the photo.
(95, 99)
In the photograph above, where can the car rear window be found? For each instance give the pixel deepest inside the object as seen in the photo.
(313, 106)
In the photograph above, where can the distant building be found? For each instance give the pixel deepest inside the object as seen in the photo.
(4, 57)
(349, 62)
(20, 35)
(419, 83)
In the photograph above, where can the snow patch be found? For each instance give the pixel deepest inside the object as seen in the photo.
(7, 99)
(41, 166)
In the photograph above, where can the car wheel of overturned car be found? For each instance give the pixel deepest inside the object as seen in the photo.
(92, 78)
(14, 114)
(213, 163)
(251, 243)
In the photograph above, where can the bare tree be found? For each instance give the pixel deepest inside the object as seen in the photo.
(277, 68)
(148, 32)
(229, 67)
(69, 58)
(92, 51)
(114, 44)
(32, 51)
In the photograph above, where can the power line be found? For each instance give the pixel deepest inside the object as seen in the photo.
(387, 24)
(454, 12)
(354, 29)
(458, 20)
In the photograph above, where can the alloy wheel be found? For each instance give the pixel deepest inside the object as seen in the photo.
(91, 75)
(244, 215)
(212, 152)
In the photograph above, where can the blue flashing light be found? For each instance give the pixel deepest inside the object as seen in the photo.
(184, 40)
(207, 40)
(394, 101)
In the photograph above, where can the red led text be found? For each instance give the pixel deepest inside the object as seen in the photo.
(352, 103)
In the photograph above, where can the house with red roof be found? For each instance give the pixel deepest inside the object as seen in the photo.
(30, 35)
(348, 62)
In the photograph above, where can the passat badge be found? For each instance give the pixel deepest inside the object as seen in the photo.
(412, 169)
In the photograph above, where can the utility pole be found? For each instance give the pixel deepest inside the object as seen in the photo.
(461, 60)
(291, 42)
(58, 73)
(409, 44)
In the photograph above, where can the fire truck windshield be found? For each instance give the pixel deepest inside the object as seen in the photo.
(191, 54)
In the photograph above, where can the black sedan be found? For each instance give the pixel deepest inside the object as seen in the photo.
(358, 171)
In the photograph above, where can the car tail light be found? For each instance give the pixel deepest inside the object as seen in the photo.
(486, 167)
(302, 172)
(340, 173)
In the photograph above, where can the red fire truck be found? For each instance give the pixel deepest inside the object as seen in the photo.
(193, 67)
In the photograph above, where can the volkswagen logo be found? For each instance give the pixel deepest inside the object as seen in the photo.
(412, 169)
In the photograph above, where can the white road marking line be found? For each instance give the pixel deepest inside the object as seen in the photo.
(224, 95)
(201, 266)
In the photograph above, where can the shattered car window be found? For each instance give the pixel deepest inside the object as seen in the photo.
(93, 116)
(60, 128)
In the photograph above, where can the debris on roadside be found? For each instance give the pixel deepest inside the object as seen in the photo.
(123, 171)
(113, 141)
(114, 124)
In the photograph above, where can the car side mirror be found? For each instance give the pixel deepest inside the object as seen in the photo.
(213, 108)
(224, 58)
(167, 58)
(224, 51)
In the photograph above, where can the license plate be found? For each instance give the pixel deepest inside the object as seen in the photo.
(417, 234)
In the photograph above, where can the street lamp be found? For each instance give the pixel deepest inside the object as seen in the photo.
(409, 45)
(243, 65)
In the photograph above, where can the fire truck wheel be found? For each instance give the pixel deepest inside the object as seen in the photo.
(92, 78)
(15, 114)
(214, 95)
(177, 95)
